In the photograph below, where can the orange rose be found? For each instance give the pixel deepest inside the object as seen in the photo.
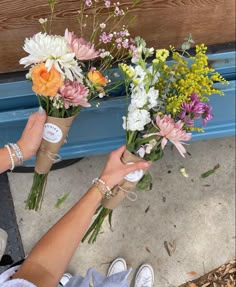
(97, 78)
(46, 83)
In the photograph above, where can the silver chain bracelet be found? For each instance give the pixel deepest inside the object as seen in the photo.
(18, 153)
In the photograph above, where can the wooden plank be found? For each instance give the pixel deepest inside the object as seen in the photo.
(160, 22)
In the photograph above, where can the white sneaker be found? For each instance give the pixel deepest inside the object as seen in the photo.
(144, 276)
(65, 279)
(118, 265)
(3, 242)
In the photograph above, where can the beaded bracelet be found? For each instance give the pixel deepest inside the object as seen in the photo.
(18, 153)
(103, 188)
(11, 155)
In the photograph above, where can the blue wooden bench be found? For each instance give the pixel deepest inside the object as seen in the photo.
(98, 130)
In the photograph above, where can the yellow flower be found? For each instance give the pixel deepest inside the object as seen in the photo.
(162, 54)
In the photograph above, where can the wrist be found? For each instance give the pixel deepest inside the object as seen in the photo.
(15, 157)
(103, 188)
(9, 158)
(107, 180)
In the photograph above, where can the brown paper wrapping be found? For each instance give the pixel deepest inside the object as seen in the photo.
(118, 194)
(48, 151)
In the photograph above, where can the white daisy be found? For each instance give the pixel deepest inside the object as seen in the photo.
(52, 50)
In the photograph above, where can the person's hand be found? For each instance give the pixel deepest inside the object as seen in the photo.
(32, 135)
(115, 170)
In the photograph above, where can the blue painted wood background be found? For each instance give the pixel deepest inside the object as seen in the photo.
(98, 130)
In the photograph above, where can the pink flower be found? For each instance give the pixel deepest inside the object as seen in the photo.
(107, 3)
(105, 38)
(171, 131)
(74, 94)
(83, 50)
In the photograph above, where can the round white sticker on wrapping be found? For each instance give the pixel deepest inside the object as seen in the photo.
(135, 175)
(52, 133)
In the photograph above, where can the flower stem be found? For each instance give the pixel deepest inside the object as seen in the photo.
(96, 226)
(35, 197)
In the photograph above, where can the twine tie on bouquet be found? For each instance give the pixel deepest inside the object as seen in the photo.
(130, 195)
(126, 187)
(55, 157)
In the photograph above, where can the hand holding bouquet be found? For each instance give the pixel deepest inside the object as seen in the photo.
(167, 100)
(67, 74)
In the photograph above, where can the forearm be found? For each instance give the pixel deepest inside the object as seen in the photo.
(53, 252)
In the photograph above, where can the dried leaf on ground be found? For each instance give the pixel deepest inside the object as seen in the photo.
(170, 247)
(147, 209)
(167, 248)
(223, 276)
(192, 273)
(183, 172)
(210, 172)
(61, 200)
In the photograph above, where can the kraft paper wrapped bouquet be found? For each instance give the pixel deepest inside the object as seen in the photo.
(168, 101)
(68, 73)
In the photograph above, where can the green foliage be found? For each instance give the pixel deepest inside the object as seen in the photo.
(145, 183)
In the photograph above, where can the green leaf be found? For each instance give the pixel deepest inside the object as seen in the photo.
(210, 172)
(61, 200)
(145, 183)
(186, 46)
(154, 155)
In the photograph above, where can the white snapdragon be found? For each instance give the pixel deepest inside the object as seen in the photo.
(155, 75)
(139, 96)
(136, 120)
(152, 97)
(140, 74)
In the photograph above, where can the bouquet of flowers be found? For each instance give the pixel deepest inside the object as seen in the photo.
(68, 72)
(167, 100)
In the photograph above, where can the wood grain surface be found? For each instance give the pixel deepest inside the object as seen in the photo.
(160, 22)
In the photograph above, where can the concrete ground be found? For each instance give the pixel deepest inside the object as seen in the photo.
(195, 214)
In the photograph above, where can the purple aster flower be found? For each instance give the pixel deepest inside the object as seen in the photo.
(194, 98)
(207, 114)
(194, 111)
